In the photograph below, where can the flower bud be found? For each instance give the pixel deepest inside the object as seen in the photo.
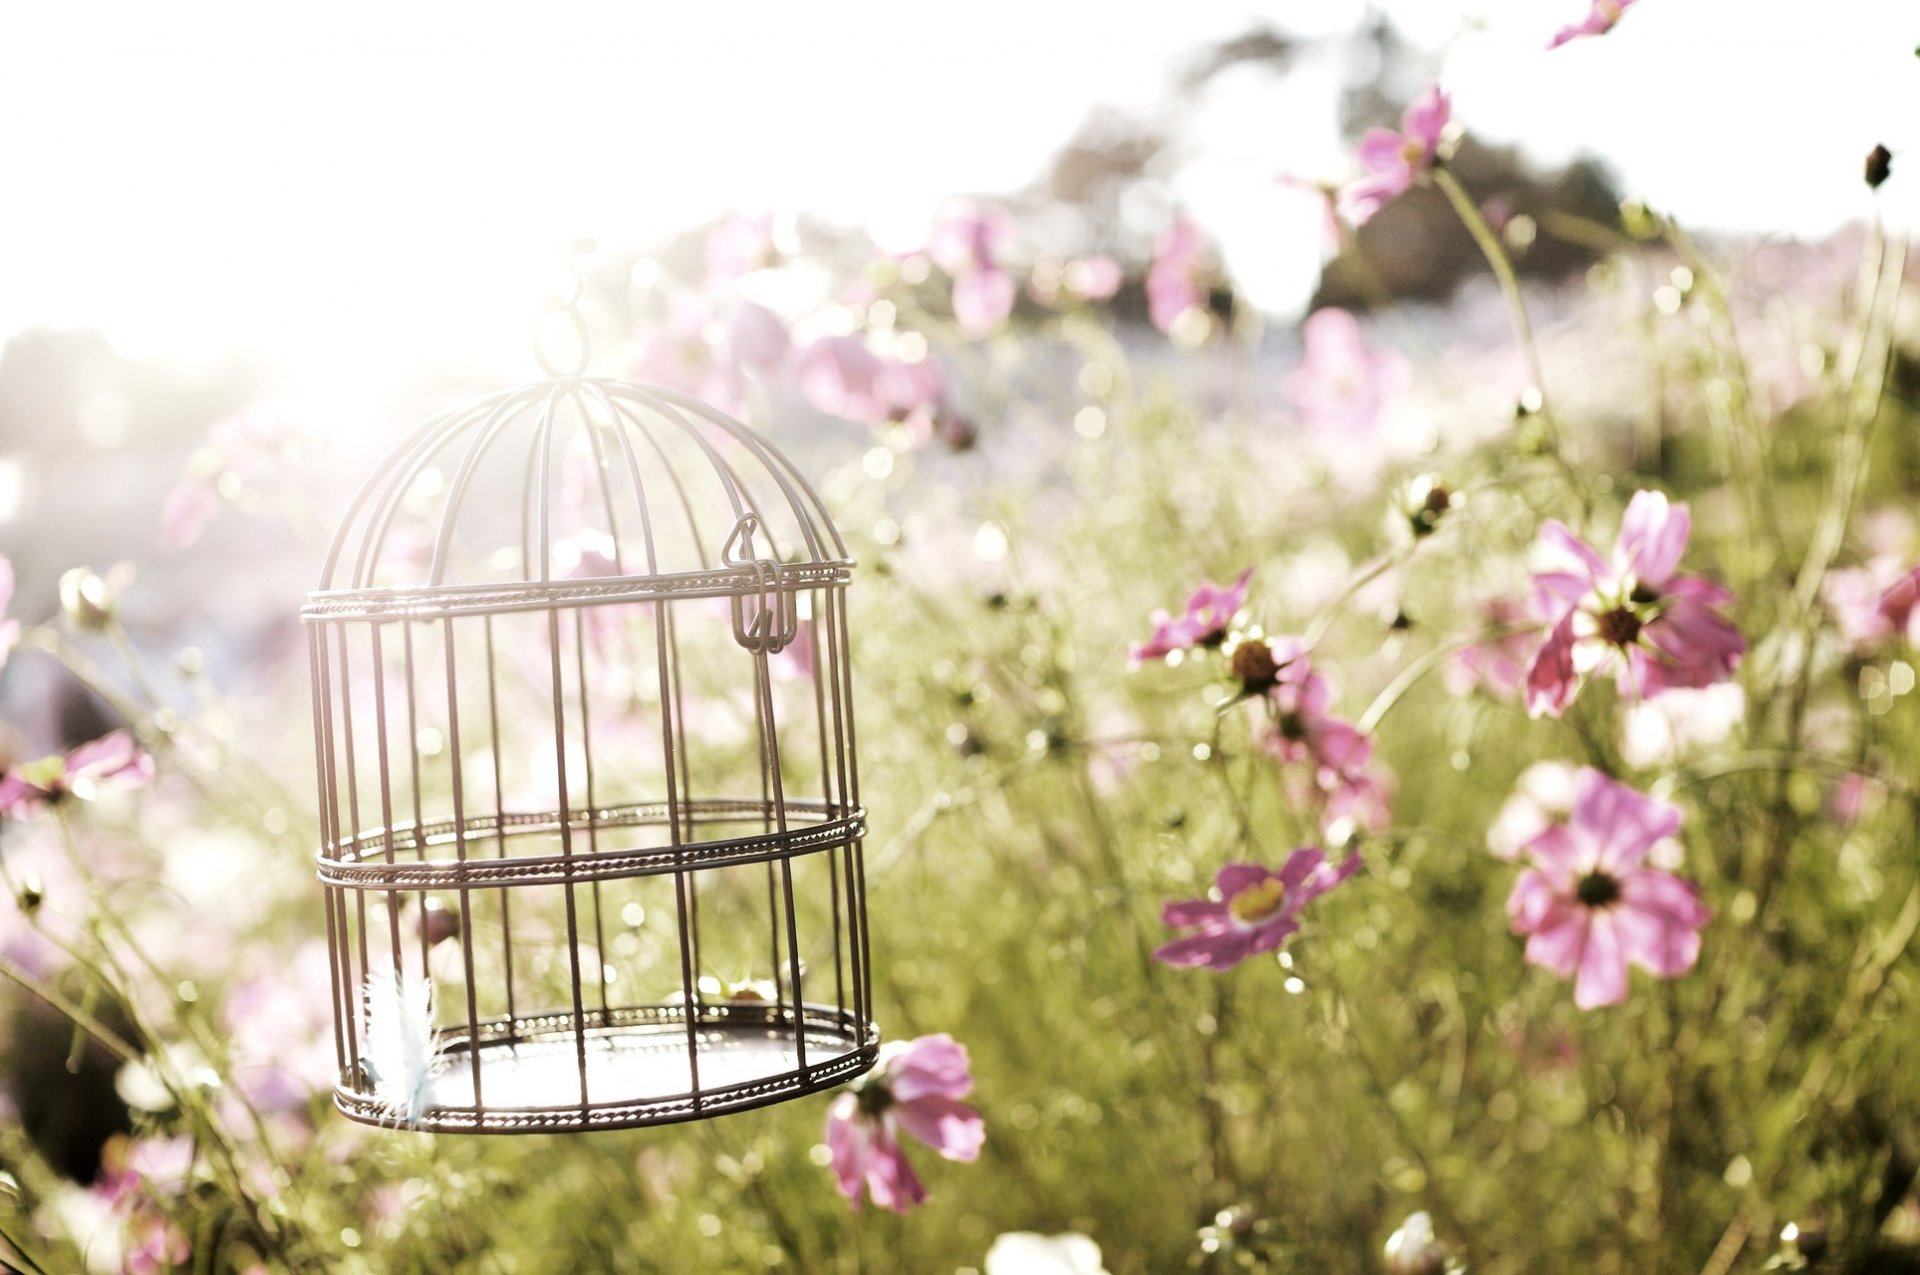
(1879, 166)
(91, 601)
(438, 922)
(1413, 1250)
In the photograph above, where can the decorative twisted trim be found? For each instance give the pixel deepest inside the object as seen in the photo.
(353, 864)
(430, 603)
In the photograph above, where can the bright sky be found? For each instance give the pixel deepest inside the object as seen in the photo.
(354, 191)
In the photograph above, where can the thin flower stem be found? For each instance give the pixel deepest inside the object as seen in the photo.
(1322, 622)
(108, 1038)
(1383, 1095)
(1405, 680)
(1502, 266)
(15, 1251)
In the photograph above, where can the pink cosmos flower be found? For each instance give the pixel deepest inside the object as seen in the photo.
(916, 1086)
(1629, 615)
(740, 245)
(106, 764)
(1176, 279)
(1499, 664)
(1874, 602)
(1094, 278)
(1394, 161)
(967, 246)
(843, 376)
(709, 353)
(1341, 385)
(1600, 19)
(1204, 623)
(1333, 753)
(189, 507)
(1590, 906)
(1257, 909)
(9, 628)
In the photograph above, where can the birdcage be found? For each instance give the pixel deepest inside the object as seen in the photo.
(591, 825)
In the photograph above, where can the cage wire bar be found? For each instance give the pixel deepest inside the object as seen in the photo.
(586, 772)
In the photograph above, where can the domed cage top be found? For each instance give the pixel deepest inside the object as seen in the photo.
(590, 818)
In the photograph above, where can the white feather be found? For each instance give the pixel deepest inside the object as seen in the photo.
(399, 1048)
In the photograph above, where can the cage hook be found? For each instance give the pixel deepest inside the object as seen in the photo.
(775, 620)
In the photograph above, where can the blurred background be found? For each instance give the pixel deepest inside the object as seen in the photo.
(243, 248)
(354, 214)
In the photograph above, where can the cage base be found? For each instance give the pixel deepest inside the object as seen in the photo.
(638, 1073)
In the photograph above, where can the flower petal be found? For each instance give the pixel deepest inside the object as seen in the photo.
(1603, 965)
(1653, 535)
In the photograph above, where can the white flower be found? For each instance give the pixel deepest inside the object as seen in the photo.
(1029, 1253)
(1412, 1250)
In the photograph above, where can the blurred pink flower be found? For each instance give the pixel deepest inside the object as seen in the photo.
(1393, 161)
(1204, 623)
(189, 507)
(1630, 616)
(842, 376)
(740, 245)
(1177, 279)
(9, 627)
(1341, 385)
(107, 764)
(967, 245)
(1335, 753)
(280, 1030)
(1498, 664)
(1094, 278)
(1874, 602)
(1600, 19)
(916, 1087)
(1257, 909)
(1590, 906)
(708, 353)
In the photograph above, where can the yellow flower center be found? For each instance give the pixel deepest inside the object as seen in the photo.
(1258, 902)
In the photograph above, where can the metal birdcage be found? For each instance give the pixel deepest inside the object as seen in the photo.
(591, 824)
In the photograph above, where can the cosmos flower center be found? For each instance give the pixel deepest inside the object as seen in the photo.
(1620, 626)
(1254, 665)
(1258, 902)
(1598, 889)
(1413, 150)
(873, 1100)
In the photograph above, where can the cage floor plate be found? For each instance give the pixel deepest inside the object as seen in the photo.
(623, 1066)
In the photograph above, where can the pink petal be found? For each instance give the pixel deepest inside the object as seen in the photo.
(1426, 119)
(1219, 949)
(1653, 535)
(1551, 680)
(1603, 966)
(1182, 913)
(847, 1143)
(1382, 149)
(890, 1176)
(1324, 877)
(1659, 919)
(1567, 549)
(1235, 877)
(982, 300)
(1559, 856)
(1300, 865)
(1533, 899)
(952, 1128)
(929, 1065)
(1559, 941)
(1618, 824)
